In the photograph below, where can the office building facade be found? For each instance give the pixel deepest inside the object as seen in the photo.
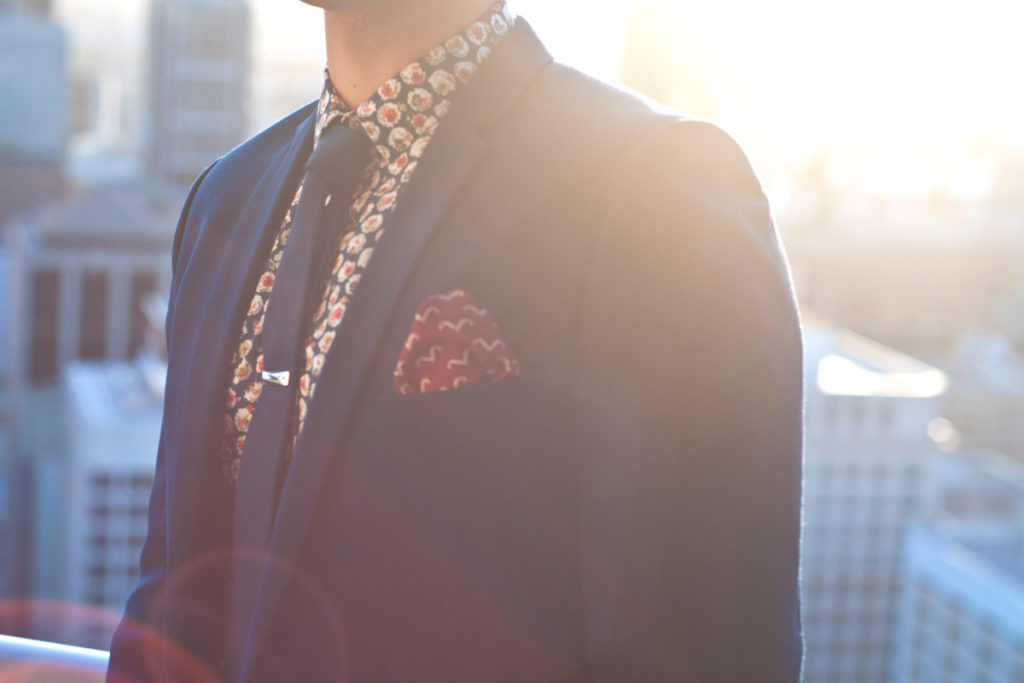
(78, 272)
(868, 475)
(963, 589)
(198, 74)
(33, 107)
(91, 499)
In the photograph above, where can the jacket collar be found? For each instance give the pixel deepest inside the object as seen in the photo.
(217, 305)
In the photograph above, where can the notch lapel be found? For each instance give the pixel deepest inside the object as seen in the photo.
(207, 347)
(454, 152)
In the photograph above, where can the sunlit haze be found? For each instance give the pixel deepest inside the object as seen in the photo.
(925, 82)
(916, 92)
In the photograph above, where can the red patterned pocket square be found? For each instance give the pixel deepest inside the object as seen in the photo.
(454, 342)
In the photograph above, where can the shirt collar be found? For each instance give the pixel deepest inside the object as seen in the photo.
(415, 100)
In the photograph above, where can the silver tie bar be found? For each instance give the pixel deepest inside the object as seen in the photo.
(279, 378)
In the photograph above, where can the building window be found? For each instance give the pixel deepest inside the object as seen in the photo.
(831, 412)
(143, 284)
(95, 298)
(885, 416)
(857, 412)
(45, 324)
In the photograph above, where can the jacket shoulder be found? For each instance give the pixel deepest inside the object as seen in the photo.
(599, 134)
(596, 110)
(220, 192)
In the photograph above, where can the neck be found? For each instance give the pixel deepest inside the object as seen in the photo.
(367, 45)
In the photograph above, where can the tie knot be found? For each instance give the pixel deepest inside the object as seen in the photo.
(340, 156)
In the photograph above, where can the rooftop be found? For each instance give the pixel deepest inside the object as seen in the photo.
(105, 392)
(842, 362)
(113, 212)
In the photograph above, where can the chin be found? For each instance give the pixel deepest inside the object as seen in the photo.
(339, 5)
(356, 5)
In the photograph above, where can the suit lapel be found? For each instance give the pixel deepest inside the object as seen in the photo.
(454, 153)
(207, 351)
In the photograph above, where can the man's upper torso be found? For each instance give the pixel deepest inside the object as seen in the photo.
(399, 120)
(625, 508)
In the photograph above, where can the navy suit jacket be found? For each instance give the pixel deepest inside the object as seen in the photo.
(626, 509)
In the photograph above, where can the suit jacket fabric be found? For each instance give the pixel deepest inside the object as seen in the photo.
(625, 509)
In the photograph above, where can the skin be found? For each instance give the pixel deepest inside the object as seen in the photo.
(368, 41)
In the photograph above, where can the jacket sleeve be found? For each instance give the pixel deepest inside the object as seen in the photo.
(137, 646)
(690, 433)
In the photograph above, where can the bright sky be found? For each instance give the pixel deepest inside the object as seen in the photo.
(284, 29)
(882, 71)
(875, 71)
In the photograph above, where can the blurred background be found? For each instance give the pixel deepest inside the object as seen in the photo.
(889, 136)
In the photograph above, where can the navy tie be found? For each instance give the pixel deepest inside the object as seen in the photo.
(333, 174)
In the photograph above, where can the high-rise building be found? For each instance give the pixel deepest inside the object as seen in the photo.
(197, 83)
(78, 275)
(868, 461)
(963, 589)
(106, 112)
(33, 79)
(33, 110)
(33, 107)
(30, 6)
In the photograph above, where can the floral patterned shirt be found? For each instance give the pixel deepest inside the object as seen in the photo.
(399, 119)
